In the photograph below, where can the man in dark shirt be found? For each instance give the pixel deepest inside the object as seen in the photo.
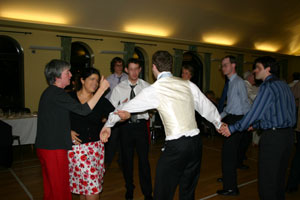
(274, 112)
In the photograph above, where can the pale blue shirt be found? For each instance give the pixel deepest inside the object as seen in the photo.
(237, 97)
(114, 80)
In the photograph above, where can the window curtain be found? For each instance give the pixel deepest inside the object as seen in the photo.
(240, 64)
(129, 49)
(178, 58)
(207, 65)
(66, 43)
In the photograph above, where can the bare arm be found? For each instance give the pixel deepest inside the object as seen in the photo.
(104, 85)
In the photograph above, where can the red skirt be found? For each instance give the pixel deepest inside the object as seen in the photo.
(86, 168)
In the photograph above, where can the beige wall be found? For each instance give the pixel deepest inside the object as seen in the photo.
(34, 63)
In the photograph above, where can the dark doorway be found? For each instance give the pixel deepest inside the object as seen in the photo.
(138, 54)
(11, 73)
(81, 57)
(191, 58)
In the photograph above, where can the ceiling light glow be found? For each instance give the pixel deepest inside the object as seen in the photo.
(266, 47)
(219, 39)
(33, 16)
(147, 30)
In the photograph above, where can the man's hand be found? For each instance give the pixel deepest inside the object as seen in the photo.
(224, 130)
(105, 134)
(250, 128)
(124, 115)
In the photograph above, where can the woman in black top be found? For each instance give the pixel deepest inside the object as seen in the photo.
(86, 159)
(53, 129)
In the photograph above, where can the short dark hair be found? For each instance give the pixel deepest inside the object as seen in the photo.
(133, 60)
(114, 61)
(268, 61)
(232, 59)
(54, 69)
(190, 68)
(163, 61)
(85, 73)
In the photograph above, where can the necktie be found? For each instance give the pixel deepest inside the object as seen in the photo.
(224, 96)
(119, 79)
(133, 117)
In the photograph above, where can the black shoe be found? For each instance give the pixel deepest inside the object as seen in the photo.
(220, 180)
(129, 198)
(234, 192)
(243, 167)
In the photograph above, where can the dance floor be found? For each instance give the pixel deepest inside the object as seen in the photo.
(24, 180)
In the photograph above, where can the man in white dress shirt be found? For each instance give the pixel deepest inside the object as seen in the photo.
(175, 99)
(133, 132)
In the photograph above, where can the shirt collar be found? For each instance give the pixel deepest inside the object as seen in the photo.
(232, 77)
(118, 76)
(164, 74)
(137, 83)
(268, 77)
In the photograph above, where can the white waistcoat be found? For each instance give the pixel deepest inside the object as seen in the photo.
(176, 107)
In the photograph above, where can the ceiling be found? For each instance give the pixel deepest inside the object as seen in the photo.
(252, 24)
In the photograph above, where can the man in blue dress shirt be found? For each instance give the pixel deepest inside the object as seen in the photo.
(274, 112)
(237, 105)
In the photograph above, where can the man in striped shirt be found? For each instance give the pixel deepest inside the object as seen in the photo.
(274, 112)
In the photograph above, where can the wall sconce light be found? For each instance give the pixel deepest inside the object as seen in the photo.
(112, 52)
(50, 48)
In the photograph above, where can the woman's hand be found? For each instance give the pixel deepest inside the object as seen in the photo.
(75, 139)
(105, 134)
(104, 84)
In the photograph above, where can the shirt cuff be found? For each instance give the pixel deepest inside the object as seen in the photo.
(231, 129)
(112, 120)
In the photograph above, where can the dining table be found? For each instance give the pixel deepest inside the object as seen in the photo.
(24, 126)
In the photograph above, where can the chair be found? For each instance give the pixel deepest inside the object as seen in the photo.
(16, 137)
(6, 150)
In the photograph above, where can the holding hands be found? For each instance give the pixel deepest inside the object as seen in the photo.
(224, 130)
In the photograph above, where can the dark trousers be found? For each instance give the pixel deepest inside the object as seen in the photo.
(275, 148)
(246, 139)
(179, 163)
(230, 155)
(294, 177)
(112, 146)
(135, 136)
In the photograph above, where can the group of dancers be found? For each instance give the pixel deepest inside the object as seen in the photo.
(76, 161)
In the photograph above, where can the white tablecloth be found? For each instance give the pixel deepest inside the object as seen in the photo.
(23, 127)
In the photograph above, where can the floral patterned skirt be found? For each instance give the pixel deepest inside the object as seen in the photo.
(86, 168)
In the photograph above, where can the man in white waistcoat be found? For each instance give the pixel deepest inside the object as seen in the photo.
(175, 99)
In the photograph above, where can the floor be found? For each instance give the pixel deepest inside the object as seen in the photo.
(24, 181)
